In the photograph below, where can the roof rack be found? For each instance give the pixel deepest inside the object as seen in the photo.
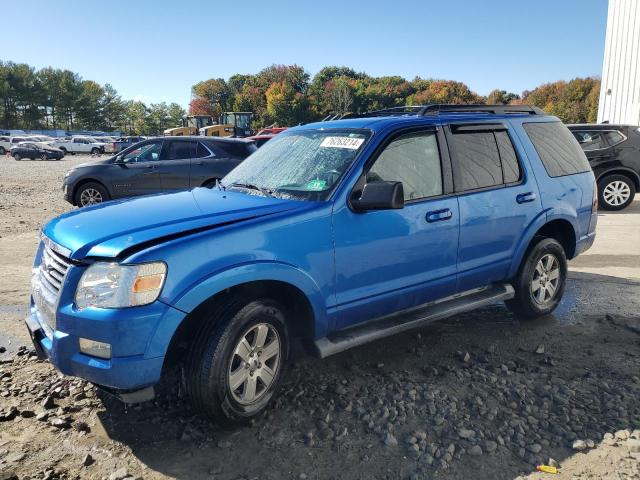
(436, 109)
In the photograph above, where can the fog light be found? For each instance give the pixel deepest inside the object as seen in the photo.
(95, 349)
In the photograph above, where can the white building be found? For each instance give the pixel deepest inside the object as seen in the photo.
(620, 91)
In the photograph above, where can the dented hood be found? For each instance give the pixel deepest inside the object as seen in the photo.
(108, 229)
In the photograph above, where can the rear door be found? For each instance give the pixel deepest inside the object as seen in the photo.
(497, 196)
(175, 164)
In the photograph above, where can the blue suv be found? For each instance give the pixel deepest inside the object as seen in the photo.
(337, 233)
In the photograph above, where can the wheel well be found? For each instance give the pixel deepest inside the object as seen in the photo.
(562, 231)
(298, 313)
(84, 182)
(626, 173)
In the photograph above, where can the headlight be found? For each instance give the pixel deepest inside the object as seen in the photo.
(111, 285)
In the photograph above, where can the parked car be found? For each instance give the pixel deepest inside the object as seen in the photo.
(79, 145)
(161, 164)
(337, 233)
(260, 140)
(5, 144)
(109, 146)
(125, 142)
(614, 154)
(33, 151)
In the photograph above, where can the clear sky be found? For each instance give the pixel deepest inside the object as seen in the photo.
(155, 50)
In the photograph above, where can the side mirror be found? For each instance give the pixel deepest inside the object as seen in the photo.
(118, 159)
(380, 196)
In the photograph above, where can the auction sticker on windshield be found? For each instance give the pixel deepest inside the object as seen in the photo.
(342, 142)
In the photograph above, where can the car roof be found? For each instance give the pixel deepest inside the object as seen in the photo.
(599, 126)
(201, 138)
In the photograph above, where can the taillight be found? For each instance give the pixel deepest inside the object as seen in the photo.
(594, 200)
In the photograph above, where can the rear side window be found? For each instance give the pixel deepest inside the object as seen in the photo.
(477, 160)
(590, 140)
(180, 150)
(202, 151)
(614, 138)
(557, 148)
(510, 166)
(236, 149)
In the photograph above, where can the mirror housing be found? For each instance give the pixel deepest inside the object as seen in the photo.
(118, 159)
(380, 196)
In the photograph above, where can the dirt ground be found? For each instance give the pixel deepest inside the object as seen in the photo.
(479, 396)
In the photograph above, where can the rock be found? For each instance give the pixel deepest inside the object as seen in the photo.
(579, 445)
(475, 451)
(48, 403)
(466, 357)
(540, 349)
(490, 446)
(119, 474)
(633, 445)
(62, 423)
(466, 433)
(224, 444)
(390, 440)
(553, 463)
(535, 448)
(42, 416)
(87, 460)
(622, 434)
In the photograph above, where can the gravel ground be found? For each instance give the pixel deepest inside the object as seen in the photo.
(481, 395)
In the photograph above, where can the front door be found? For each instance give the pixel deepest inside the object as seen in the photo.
(498, 200)
(175, 163)
(390, 260)
(137, 172)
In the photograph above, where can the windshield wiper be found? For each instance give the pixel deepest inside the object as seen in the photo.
(251, 186)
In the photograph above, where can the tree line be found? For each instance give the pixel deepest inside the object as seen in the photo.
(285, 95)
(52, 98)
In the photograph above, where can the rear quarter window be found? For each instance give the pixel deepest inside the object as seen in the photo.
(557, 148)
(236, 149)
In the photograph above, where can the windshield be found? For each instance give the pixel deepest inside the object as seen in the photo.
(306, 164)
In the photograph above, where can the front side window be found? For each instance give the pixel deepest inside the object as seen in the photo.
(143, 153)
(414, 160)
(303, 164)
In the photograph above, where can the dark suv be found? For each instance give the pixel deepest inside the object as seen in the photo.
(163, 164)
(614, 154)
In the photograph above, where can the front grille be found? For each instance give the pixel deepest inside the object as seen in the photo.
(47, 282)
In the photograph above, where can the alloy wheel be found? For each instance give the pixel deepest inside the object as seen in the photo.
(90, 196)
(546, 279)
(254, 363)
(616, 193)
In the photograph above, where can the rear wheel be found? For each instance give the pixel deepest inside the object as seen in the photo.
(44, 157)
(91, 194)
(95, 151)
(236, 364)
(616, 192)
(541, 280)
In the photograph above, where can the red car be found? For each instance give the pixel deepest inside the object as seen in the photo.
(266, 134)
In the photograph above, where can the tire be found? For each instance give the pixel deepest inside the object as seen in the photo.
(615, 192)
(95, 151)
(44, 157)
(214, 361)
(3, 151)
(544, 267)
(90, 193)
(17, 157)
(64, 150)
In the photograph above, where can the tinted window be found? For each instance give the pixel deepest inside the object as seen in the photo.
(557, 148)
(590, 140)
(510, 167)
(236, 149)
(614, 137)
(414, 160)
(477, 160)
(180, 150)
(143, 153)
(202, 151)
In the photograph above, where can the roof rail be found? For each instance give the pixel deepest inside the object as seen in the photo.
(436, 109)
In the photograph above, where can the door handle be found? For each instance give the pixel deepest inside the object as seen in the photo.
(439, 215)
(526, 197)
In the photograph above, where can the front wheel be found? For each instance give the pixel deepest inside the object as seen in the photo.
(17, 157)
(91, 194)
(44, 157)
(2, 151)
(616, 192)
(237, 361)
(541, 280)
